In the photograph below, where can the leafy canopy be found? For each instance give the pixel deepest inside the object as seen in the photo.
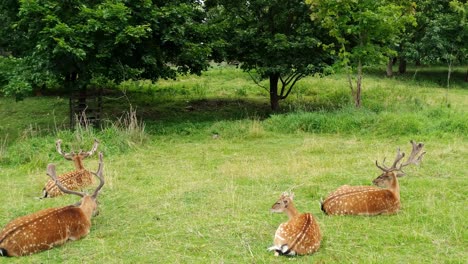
(109, 40)
(441, 34)
(368, 31)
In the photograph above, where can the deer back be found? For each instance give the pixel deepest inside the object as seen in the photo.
(43, 230)
(74, 180)
(300, 235)
(361, 200)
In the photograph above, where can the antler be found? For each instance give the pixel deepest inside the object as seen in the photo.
(53, 175)
(99, 175)
(91, 152)
(67, 156)
(398, 158)
(412, 159)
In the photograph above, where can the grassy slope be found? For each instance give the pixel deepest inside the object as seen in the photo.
(184, 197)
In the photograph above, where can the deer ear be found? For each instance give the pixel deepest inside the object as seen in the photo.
(400, 174)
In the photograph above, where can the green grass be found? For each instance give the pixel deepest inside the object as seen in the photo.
(175, 194)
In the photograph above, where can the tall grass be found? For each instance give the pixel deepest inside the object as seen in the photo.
(434, 121)
(35, 149)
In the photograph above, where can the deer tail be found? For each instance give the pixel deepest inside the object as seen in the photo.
(322, 203)
(3, 252)
(45, 194)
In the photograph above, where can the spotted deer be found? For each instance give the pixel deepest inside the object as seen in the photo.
(300, 235)
(51, 227)
(73, 180)
(372, 200)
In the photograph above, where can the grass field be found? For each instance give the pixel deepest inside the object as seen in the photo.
(176, 194)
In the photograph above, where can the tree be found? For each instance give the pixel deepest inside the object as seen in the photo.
(79, 42)
(275, 39)
(367, 32)
(441, 34)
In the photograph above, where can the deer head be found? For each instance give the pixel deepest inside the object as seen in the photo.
(76, 157)
(282, 203)
(397, 167)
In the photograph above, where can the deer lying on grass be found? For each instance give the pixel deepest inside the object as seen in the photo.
(74, 180)
(300, 235)
(51, 227)
(371, 200)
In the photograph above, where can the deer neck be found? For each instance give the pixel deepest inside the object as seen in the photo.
(291, 211)
(78, 163)
(88, 206)
(395, 186)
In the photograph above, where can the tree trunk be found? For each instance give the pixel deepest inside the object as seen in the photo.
(357, 99)
(274, 98)
(390, 67)
(402, 65)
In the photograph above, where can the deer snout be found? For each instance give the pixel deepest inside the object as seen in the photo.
(379, 182)
(96, 212)
(375, 182)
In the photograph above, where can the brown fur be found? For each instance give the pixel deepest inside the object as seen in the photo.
(364, 200)
(43, 230)
(299, 235)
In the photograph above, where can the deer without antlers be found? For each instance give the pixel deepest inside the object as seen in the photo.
(371, 200)
(300, 235)
(51, 227)
(73, 180)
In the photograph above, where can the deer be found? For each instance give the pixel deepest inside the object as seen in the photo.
(51, 227)
(73, 180)
(300, 235)
(383, 198)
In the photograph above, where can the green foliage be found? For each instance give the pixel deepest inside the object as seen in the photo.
(12, 80)
(20, 77)
(107, 40)
(367, 31)
(441, 34)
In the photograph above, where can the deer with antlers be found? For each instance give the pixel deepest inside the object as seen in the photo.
(300, 235)
(51, 227)
(74, 180)
(372, 200)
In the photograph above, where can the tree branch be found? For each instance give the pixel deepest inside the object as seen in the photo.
(297, 77)
(256, 82)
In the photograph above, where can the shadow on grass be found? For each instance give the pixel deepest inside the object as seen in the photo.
(436, 75)
(173, 112)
